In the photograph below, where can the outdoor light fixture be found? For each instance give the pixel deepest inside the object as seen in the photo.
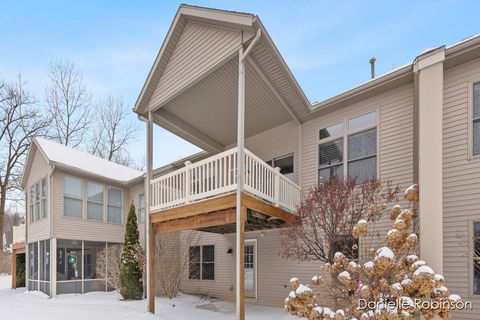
(230, 251)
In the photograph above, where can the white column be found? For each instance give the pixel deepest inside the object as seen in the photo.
(429, 70)
(148, 235)
(240, 175)
(53, 267)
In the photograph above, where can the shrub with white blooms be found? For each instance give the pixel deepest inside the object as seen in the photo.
(391, 283)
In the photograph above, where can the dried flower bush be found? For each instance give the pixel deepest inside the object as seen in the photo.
(394, 278)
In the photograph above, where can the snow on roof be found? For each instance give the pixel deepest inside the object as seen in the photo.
(60, 154)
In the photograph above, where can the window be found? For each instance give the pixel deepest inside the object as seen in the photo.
(202, 262)
(72, 197)
(94, 201)
(362, 121)
(476, 119)
(286, 165)
(32, 203)
(332, 131)
(37, 201)
(141, 208)
(354, 154)
(114, 211)
(44, 198)
(346, 244)
(362, 155)
(330, 155)
(476, 258)
(194, 263)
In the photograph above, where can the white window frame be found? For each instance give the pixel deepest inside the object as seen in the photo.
(272, 161)
(201, 262)
(44, 198)
(141, 209)
(82, 198)
(32, 202)
(121, 205)
(470, 84)
(102, 203)
(38, 196)
(346, 133)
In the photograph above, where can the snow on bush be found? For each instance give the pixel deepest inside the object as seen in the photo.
(392, 273)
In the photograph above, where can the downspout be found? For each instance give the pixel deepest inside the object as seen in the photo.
(150, 236)
(240, 171)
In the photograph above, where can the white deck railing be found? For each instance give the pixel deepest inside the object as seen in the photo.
(217, 175)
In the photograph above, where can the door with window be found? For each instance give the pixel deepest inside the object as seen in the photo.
(250, 264)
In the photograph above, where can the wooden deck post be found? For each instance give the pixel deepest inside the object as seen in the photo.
(150, 232)
(14, 269)
(242, 262)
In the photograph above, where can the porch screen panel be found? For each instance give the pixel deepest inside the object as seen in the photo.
(91, 253)
(44, 272)
(33, 266)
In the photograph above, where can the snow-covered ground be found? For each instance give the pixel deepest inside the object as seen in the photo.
(19, 304)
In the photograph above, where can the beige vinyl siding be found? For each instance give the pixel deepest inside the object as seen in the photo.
(82, 229)
(395, 163)
(276, 142)
(199, 48)
(394, 138)
(273, 272)
(461, 183)
(135, 191)
(39, 229)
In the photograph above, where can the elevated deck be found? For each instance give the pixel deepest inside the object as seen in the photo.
(216, 176)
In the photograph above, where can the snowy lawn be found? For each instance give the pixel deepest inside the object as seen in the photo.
(19, 304)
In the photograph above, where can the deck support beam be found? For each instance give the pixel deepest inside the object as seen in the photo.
(150, 232)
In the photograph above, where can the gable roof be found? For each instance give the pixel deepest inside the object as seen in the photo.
(76, 160)
(248, 24)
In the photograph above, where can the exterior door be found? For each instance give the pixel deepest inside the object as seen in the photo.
(251, 268)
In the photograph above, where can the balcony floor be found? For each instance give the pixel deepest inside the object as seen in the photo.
(218, 215)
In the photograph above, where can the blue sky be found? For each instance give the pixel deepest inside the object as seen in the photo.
(327, 44)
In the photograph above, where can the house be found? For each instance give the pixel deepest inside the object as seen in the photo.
(220, 83)
(18, 250)
(77, 205)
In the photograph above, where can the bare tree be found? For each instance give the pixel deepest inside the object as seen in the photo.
(328, 215)
(21, 121)
(114, 131)
(174, 263)
(108, 265)
(69, 104)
